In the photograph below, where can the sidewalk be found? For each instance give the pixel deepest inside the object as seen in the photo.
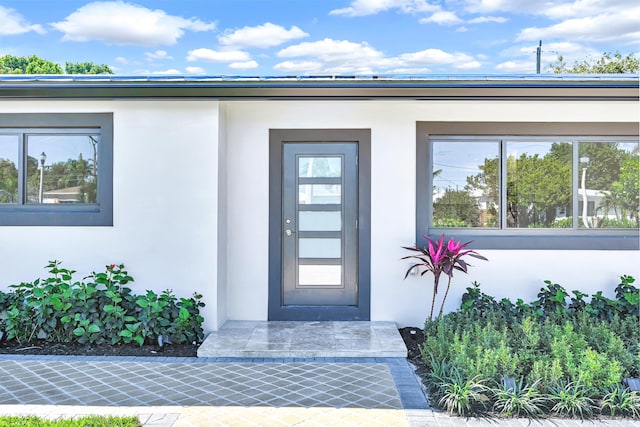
(174, 392)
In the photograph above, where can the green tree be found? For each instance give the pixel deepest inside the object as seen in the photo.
(456, 208)
(10, 64)
(86, 68)
(8, 181)
(608, 63)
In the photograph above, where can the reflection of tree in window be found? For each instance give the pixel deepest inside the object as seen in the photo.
(537, 186)
(8, 181)
(612, 180)
(456, 208)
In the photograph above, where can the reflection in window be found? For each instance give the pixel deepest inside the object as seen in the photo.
(465, 184)
(9, 168)
(62, 168)
(608, 187)
(319, 167)
(538, 183)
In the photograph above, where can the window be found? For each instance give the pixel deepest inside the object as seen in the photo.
(56, 169)
(528, 185)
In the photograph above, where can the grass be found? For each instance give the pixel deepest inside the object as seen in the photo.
(88, 421)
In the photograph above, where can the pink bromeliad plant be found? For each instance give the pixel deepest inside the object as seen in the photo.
(440, 257)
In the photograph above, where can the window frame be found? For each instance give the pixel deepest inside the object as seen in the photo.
(513, 238)
(76, 214)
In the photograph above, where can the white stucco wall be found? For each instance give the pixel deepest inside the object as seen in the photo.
(393, 129)
(191, 203)
(165, 203)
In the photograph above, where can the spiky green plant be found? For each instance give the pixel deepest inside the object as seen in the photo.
(521, 401)
(619, 400)
(570, 399)
(464, 396)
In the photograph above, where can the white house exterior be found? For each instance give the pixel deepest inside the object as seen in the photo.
(199, 188)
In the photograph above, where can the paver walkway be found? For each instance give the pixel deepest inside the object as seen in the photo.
(249, 374)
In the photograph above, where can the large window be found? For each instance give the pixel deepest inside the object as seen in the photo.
(56, 169)
(534, 186)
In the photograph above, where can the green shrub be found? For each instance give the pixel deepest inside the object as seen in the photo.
(100, 309)
(574, 350)
(523, 401)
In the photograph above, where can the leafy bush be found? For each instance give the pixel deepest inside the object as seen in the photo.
(573, 350)
(88, 421)
(100, 309)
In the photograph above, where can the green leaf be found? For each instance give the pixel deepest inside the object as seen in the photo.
(184, 314)
(79, 332)
(93, 328)
(65, 319)
(126, 333)
(139, 339)
(142, 302)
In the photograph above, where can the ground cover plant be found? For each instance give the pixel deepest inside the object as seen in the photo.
(560, 355)
(88, 421)
(101, 309)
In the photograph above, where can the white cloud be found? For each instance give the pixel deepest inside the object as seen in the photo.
(484, 6)
(262, 36)
(517, 67)
(483, 19)
(442, 18)
(371, 7)
(157, 55)
(195, 70)
(120, 23)
(299, 67)
(583, 8)
(246, 65)
(344, 57)
(620, 26)
(12, 23)
(204, 54)
(171, 71)
(462, 29)
(122, 60)
(430, 57)
(332, 51)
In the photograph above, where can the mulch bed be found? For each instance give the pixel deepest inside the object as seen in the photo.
(413, 338)
(41, 347)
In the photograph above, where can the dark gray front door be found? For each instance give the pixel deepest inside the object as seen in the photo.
(316, 238)
(320, 213)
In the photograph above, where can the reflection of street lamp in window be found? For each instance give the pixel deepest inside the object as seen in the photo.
(585, 162)
(43, 158)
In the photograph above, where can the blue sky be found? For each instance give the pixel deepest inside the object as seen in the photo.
(302, 37)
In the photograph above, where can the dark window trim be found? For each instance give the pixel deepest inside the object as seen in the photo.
(516, 239)
(363, 310)
(98, 214)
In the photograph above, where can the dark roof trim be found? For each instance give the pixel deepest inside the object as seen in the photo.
(544, 87)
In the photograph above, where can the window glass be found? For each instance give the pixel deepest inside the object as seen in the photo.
(9, 168)
(62, 168)
(465, 183)
(608, 187)
(319, 167)
(320, 194)
(539, 184)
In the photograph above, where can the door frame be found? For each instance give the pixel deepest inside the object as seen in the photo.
(276, 309)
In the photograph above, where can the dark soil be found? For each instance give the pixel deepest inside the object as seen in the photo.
(413, 339)
(42, 347)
